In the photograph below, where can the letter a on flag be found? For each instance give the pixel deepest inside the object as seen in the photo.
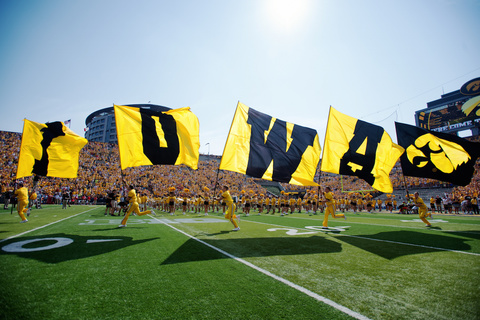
(436, 155)
(147, 137)
(264, 147)
(49, 149)
(357, 148)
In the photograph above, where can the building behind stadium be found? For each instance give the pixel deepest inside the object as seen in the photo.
(100, 125)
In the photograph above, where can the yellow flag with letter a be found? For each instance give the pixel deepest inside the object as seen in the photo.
(147, 137)
(50, 149)
(264, 147)
(357, 148)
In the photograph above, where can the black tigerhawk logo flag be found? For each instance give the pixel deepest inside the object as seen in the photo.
(264, 147)
(436, 155)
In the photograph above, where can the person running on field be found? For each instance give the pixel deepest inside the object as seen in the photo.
(231, 207)
(330, 208)
(132, 199)
(22, 198)
(422, 208)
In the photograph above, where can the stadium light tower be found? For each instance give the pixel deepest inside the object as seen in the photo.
(208, 155)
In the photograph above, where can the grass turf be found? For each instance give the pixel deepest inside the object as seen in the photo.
(383, 266)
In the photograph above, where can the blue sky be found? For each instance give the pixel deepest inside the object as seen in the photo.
(378, 61)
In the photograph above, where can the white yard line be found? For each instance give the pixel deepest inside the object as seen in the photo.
(317, 297)
(21, 234)
(395, 226)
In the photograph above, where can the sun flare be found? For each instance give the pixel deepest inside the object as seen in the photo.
(287, 15)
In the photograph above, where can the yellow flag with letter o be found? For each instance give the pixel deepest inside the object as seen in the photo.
(147, 137)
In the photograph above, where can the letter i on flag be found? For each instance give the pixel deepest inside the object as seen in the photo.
(49, 149)
(357, 148)
(147, 137)
(264, 147)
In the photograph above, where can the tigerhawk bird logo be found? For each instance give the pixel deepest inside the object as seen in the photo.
(470, 105)
(445, 155)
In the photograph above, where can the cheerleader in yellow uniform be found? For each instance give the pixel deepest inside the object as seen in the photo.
(260, 201)
(268, 204)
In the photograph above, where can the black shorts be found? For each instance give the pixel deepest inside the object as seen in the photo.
(205, 203)
(171, 203)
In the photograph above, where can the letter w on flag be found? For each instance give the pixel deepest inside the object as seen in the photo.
(357, 148)
(264, 147)
(147, 137)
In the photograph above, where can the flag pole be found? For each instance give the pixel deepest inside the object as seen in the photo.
(406, 186)
(218, 170)
(216, 182)
(119, 154)
(323, 150)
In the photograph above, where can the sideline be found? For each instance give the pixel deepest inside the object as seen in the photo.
(49, 224)
(317, 297)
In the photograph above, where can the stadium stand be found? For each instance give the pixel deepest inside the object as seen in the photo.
(99, 173)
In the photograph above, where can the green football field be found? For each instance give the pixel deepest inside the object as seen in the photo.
(77, 264)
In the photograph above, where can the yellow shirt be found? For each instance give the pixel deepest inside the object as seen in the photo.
(329, 198)
(22, 194)
(227, 198)
(419, 203)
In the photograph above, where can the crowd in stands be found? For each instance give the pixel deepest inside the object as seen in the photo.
(99, 174)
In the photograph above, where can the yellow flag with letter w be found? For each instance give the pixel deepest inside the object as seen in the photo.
(357, 148)
(264, 147)
(147, 137)
(50, 149)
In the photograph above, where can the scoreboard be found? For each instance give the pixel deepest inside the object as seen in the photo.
(459, 113)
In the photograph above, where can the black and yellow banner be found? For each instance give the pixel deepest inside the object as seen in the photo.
(264, 147)
(436, 155)
(146, 137)
(50, 149)
(357, 148)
